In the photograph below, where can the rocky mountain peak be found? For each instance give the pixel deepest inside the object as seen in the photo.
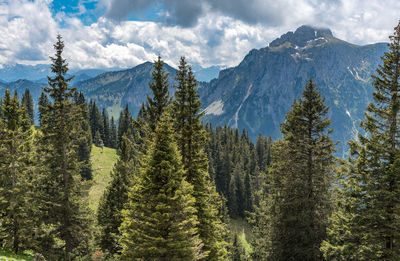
(302, 36)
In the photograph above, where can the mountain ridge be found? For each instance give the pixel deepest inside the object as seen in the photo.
(258, 92)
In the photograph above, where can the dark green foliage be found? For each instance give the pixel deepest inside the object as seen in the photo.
(366, 224)
(96, 122)
(42, 104)
(160, 99)
(106, 129)
(99, 122)
(192, 139)
(79, 99)
(113, 133)
(160, 219)
(125, 124)
(298, 201)
(84, 142)
(237, 167)
(27, 102)
(109, 214)
(98, 141)
(16, 172)
(65, 232)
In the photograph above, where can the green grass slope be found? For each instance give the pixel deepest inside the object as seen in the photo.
(102, 163)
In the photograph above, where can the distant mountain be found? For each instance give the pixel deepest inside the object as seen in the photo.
(114, 90)
(257, 94)
(37, 73)
(11, 73)
(206, 74)
(20, 86)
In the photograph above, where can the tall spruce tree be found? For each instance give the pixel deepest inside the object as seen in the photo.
(158, 102)
(192, 139)
(300, 178)
(109, 214)
(368, 229)
(106, 128)
(125, 124)
(27, 102)
(160, 218)
(113, 133)
(42, 104)
(96, 121)
(16, 172)
(84, 142)
(64, 211)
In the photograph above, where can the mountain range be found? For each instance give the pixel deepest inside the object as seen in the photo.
(257, 94)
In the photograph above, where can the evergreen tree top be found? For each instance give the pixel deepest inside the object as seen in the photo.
(59, 89)
(309, 111)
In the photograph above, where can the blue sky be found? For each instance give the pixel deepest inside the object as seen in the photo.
(125, 33)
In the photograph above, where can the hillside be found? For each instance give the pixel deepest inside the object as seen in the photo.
(102, 163)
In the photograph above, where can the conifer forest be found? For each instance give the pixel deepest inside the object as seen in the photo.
(183, 188)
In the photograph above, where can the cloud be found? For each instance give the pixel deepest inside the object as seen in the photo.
(126, 44)
(26, 28)
(119, 9)
(358, 21)
(186, 13)
(206, 32)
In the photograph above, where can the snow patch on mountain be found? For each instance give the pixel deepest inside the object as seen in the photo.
(215, 108)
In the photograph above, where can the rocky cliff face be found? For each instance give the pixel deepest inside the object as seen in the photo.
(257, 93)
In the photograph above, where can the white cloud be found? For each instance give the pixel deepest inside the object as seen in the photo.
(29, 29)
(25, 29)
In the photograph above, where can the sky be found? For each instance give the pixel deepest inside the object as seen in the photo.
(124, 33)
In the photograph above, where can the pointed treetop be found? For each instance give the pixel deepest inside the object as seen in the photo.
(59, 89)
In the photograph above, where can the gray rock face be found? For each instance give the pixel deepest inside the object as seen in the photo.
(302, 36)
(257, 94)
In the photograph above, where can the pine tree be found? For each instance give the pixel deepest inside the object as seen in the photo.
(106, 129)
(27, 102)
(98, 141)
(125, 124)
(16, 216)
(109, 214)
(160, 99)
(64, 212)
(84, 142)
(300, 178)
(113, 134)
(42, 104)
(372, 203)
(96, 121)
(160, 219)
(247, 193)
(192, 139)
